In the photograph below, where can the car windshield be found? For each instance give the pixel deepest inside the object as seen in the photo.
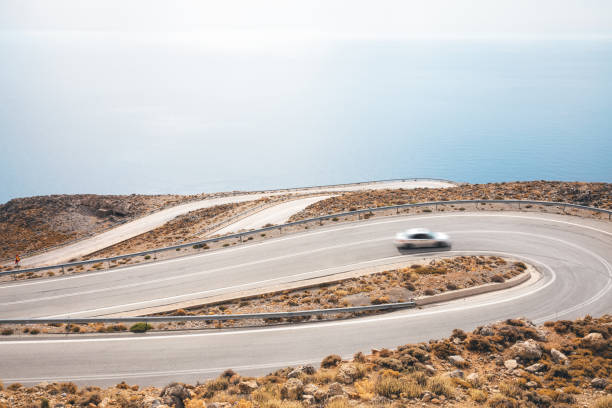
(421, 236)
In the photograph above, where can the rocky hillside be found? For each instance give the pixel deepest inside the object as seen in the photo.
(509, 364)
(34, 223)
(589, 194)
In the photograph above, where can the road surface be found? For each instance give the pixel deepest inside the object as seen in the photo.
(152, 221)
(572, 254)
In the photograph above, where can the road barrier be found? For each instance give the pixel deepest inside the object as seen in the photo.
(155, 319)
(240, 235)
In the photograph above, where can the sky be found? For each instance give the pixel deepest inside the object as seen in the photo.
(118, 96)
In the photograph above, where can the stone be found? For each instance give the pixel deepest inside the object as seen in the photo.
(308, 369)
(594, 341)
(295, 373)
(510, 364)
(473, 379)
(457, 361)
(247, 387)
(346, 374)
(558, 357)
(526, 350)
(335, 389)
(308, 399)
(535, 368)
(430, 369)
(310, 389)
(456, 374)
(292, 389)
(532, 384)
(151, 402)
(591, 337)
(175, 394)
(320, 395)
(486, 330)
(427, 397)
(599, 383)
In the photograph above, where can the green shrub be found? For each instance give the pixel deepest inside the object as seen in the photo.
(147, 257)
(140, 327)
(7, 332)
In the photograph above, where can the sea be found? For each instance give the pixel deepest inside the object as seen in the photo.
(96, 113)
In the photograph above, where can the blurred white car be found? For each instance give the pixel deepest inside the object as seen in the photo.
(421, 238)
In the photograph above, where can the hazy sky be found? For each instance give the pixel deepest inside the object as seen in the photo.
(329, 17)
(121, 96)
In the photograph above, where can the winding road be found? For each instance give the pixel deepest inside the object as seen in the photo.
(141, 225)
(573, 256)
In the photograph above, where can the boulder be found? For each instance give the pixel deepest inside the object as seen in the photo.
(430, 369)
(456, 374)
(320, 395)
(510, 364)
(308, 399)
(599, 383)
(247, 387)
(594, 341)
(335, 389)
(473, 379)
(526, 350)
(346, 374)
(174, 394)
(535, 368)
(558, 357)
(151, 402)
(457, 361)
(292, 389)
(310, 389)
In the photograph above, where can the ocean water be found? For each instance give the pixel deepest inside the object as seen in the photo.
(98, 114)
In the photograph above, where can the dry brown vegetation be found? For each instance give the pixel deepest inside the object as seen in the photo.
(589, 194)
(184, 228)
(507, 364)
(35, 223)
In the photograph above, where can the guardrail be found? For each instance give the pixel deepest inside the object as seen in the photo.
(153, 319)
(240, 235)
(217, 195)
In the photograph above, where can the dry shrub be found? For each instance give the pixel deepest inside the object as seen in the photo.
(325, 376)
(500, 401)
(441, 386)
(418, 377)
(478, 395)
(444, 349)
(276, 403)
(268, 392)
(331, 361)
(365, 389)
(90, 398)
(510, 389)
(391, 363)
(391, 387)
(195, 403)
(603, 402)
(338, 403)
(212, 386)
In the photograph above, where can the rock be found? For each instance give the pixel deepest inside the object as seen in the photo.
(599, 383)
(295, 373)
(151, 402)
(456, 374)
(510, 364)
(592, 337)
(457, 361)
(308, 399)
(473, 379)
(430, 369)
(558, 357)
(532, 384)
(427, 397)
(526, 350)
(175, 394)
(292, 389)
(498, 360)
(310, 389)
(247, 387)
(541, 335)
(320, 395)
(535, 368)
(486, 330)
(335, 389)
(346, 374)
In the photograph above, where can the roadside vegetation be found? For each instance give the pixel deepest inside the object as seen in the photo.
(588, 194)
(418, 280)
(511, 363)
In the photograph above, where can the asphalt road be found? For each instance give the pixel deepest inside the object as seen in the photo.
(573, 255)
(277, 214)
(152, 221)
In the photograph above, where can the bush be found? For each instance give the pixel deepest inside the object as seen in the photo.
(44, 403)
(441, 386)
(604, 402)
(34, 331)
(7, 332)
(147, 257)
(499, 401)
(140, 327)
(478, 395)
(497, 278)
(444, 349)
(331, 361)
(90, 398)
(391, 387)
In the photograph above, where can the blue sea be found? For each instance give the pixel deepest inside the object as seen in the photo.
(93, 114)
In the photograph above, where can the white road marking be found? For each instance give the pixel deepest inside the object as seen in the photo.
(296, 236)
